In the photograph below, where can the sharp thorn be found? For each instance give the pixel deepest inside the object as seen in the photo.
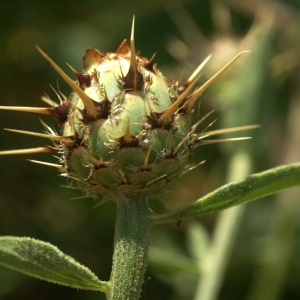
(168, 113)
(66, 175)
(134, 79)
(84, 80)
(39, 110)
(60, 167)
(156, 179)
(133, 56)
(194, 127)
(72, 69)
(226, 130)
(196, 74)
(127, 140)
(103, 201)
(48, 129)
(82, 197)
(64, 139)
(27, 151)
(127, 135)
(209, 125)
(59, 113)
(146, 161)
(87, 101)
(148, 65)
(192, 168)
(204, 87)
(219, 141)
(203, 119)
(58, 94)
(48, 101)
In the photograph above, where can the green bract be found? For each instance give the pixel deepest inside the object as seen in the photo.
(127, 147)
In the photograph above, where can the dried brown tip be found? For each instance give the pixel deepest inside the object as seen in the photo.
(92, 58)
(84, 80)
(149, 64)
(124, 48)
(87, 101)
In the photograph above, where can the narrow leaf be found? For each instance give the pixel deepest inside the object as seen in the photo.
(45, 261)
(251, 188)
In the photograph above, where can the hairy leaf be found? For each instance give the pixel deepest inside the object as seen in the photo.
(251, 188)
(45, 261)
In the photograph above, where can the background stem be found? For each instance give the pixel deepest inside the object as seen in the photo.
(223, 238)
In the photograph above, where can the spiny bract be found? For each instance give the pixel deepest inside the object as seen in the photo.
(126, 128)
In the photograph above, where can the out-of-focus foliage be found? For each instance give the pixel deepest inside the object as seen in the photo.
(182, 33)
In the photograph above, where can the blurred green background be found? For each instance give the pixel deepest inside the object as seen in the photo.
(261, 88)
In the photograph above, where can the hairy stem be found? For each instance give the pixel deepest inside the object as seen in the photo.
(130, 250)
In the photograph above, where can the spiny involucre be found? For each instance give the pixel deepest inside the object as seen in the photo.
(126, 129)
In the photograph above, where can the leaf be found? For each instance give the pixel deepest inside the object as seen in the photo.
(251, 188)
(45, 261)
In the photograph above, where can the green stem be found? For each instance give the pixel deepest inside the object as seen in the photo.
(130, 250)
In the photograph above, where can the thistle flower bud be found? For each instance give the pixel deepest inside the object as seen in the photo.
(126, 129)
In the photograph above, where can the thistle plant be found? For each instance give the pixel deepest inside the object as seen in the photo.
(126, 131)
